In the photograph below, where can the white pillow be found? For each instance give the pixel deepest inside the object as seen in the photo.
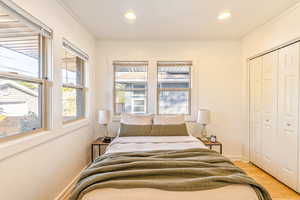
(168, 119)
(136, 119)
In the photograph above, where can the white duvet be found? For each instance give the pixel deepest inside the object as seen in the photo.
(130, 144)
(149, 143)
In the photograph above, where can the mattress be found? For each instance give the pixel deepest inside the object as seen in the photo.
(129, 144)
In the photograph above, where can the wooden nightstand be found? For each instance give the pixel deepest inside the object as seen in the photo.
(98, 143)
(211, 144)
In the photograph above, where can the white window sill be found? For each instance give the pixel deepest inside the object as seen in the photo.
(76, 122)
(13, 147)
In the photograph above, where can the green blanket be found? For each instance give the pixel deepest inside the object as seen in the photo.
(173, 170)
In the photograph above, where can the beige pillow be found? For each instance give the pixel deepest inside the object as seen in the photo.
(128, 130)
(136, 119)
(169, 130)
(168, 119)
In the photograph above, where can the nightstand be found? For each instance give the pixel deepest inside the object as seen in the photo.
(211, 144)
(99, 143)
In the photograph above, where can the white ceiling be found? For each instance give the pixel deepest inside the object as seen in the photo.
(174, 19)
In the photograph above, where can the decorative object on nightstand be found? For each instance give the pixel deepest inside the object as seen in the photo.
(99, 142)
(213, 138)
(203, 119)
(103, 120)
(210, 144)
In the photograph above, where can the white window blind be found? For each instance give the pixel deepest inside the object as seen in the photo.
(13, 18)
(75, 50)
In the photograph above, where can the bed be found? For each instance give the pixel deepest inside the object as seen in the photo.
(169, 153)
(126, 144)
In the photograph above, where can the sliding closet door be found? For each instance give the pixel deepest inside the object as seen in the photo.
(255, 110)
(269, 110)
(288, 109)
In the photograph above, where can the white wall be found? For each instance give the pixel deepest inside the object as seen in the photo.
(40, 166)
(218, 79)
(280, 30)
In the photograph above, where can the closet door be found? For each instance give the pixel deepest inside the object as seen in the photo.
(255, 110)
(269, 110)
(288, 111)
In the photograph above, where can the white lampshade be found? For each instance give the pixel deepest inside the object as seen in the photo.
(203, 116)
(103, 117)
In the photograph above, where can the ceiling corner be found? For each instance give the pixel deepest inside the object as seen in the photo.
(66, 7)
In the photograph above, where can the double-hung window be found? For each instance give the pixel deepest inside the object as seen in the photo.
(130, 87)
(174, 87)
(24, 44)
(73, 90)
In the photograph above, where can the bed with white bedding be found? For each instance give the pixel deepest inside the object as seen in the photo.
(136, 144)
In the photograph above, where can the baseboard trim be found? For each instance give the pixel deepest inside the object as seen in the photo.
(67, 190)
(245, 159)
(236, 158)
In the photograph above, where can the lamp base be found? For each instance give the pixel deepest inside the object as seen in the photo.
(106, 139)
(205, 139)
(204, 132)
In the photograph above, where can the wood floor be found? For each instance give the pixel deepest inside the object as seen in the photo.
(277, 190)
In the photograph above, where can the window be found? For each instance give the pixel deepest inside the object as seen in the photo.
(23, 71)
(130, 87)
(174, 87)
(73, 90)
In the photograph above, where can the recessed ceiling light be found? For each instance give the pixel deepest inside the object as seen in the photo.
(224, 15)
(130, 15)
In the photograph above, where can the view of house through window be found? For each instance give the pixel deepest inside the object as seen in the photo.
(174, 87)
(21, 76)
(73, 86)
(20, 109)
(130, 87)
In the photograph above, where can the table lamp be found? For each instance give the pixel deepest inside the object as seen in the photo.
(103, 120)
(203, 119)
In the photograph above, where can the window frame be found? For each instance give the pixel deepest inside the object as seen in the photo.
(146, 89)
(189, 90)
(67, 46)
(43, 80)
